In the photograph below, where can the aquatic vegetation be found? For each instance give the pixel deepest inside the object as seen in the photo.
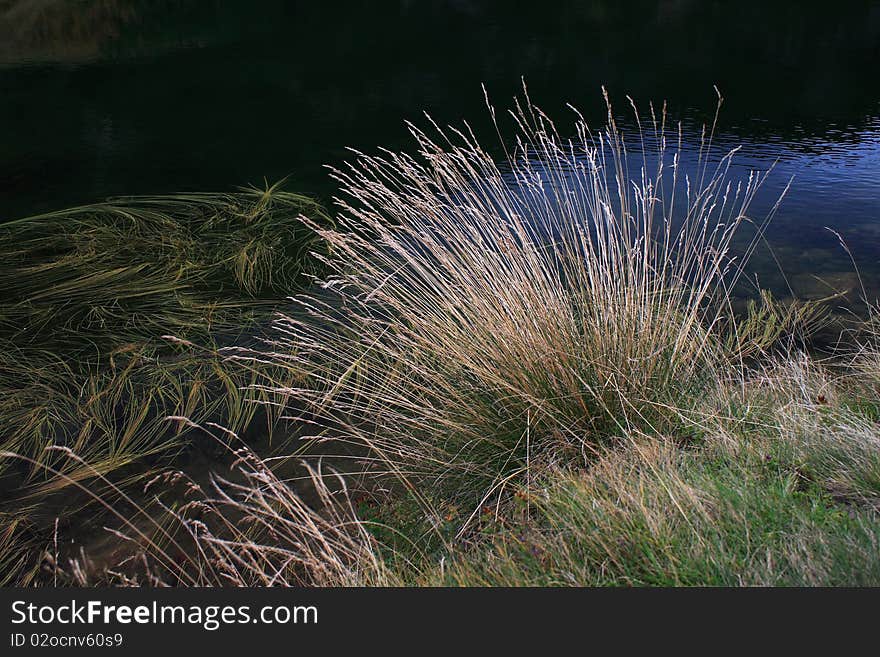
(116, 415)
(111, 320)
(93, 280)
(19, 562)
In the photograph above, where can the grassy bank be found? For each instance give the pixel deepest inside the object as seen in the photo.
(532, 372)
(782, 491)
(774, 481)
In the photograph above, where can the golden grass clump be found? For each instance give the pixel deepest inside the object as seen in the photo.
(262, 531)
(478, 315)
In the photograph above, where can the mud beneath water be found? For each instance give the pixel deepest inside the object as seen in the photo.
(84, 523)
(82, 528)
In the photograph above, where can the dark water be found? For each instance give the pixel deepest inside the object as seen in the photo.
(126, 97)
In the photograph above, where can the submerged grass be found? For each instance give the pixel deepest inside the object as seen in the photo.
(98, 280)
(112, 317)
(90, 294)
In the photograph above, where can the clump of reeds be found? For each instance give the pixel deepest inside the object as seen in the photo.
(483, 315)
(542, 354)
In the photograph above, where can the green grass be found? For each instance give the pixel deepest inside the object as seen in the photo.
(657, 516)
(776, 486)
(779, 489)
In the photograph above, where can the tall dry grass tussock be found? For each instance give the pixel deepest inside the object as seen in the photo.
(485, 314)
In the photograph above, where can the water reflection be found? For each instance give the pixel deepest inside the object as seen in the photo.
(129, 96)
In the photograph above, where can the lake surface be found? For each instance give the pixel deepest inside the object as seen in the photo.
(124, 97)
